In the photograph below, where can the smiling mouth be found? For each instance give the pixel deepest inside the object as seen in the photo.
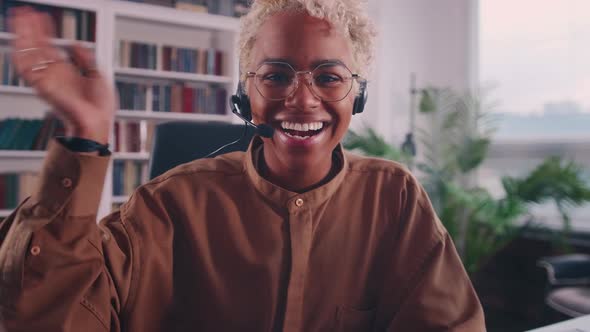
(302, 131)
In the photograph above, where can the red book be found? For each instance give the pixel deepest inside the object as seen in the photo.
(166, 58)
(117, 137)
(92, 27)
(218, 63)
(133, 137)
(187, 102)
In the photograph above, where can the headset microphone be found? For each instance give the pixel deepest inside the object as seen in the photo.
(263, 130)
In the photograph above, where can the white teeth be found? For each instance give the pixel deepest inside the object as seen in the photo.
(302, 126)
(297, 136)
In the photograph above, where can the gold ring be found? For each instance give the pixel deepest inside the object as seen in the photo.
(25, 50)
(42, 65)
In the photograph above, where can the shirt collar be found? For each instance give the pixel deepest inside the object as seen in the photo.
(284, 198)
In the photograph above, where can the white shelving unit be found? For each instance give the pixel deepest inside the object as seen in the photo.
(5, 213)
(116, 21)
(16, 90)
(170, 75)
(168, 116)
(6, 37)
(21, 155)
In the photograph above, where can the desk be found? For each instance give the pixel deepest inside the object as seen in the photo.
(580, 324)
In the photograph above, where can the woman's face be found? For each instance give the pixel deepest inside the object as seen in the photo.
(303, 42)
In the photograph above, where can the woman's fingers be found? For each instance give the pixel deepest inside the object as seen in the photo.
(84, 59)
(33, 52)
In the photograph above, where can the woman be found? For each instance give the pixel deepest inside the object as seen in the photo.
(293, 235)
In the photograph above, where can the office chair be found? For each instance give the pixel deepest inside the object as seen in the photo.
(179, 142)
(568, 290)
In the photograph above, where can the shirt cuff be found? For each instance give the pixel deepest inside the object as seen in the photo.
(69, 180)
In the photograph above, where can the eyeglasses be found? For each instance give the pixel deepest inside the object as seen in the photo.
(330, 82)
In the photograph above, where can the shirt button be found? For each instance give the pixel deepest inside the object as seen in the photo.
(66, 182)
(35, 250)
(299, 202)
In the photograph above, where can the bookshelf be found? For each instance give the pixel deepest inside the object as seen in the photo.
(6, 38)
(16, 90)
(117, 22)
(169, 75)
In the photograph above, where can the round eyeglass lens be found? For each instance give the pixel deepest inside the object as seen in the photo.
(275, 80)
(332, 81)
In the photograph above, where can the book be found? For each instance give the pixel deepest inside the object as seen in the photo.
(15, 187)
(127, 176)
(191, 5)
(69, 23)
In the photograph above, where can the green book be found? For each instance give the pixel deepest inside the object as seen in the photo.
(6, 133)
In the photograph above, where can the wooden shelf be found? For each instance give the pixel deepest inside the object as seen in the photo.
(5, 213)
(16, 90)
(170, 116)
(7, 37)
(21, 154)
(168, 16)
(141, 156)
(172, 75)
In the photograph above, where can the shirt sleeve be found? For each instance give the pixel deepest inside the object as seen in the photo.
(59, 270)
(435, 292)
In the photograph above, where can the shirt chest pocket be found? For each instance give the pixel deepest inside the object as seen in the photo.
(354, 320)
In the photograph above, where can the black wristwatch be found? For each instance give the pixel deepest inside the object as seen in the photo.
(78, 144)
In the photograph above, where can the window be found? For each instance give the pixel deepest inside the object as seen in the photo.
(536, 55)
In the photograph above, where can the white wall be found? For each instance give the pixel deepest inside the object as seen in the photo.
(432, 38)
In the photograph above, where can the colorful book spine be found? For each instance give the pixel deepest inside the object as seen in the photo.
(69, 23)
(218, 7)
(138, 55)
(15, 187)
(28, 134)
(127, 176)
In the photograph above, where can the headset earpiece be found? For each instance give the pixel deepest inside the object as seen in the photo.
(361, 99)
(243, 102)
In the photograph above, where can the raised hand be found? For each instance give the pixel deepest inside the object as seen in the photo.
(69, 81)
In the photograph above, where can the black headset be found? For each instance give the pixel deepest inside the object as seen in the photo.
(241, 100)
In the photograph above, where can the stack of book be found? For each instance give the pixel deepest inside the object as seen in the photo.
(25, 134)
(170, 58)
(133, 136)
(182, 98)
(7, 71)
(69, 23)
(138, 55)
(198, 61)
(15, 187)
(218, 7)
(132, 96)
(176, 97)
(127, 136)
(127, 176)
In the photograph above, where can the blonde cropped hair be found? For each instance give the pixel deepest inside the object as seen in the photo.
(349, 16)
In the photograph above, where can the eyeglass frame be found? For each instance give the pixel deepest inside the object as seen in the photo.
(353, 76)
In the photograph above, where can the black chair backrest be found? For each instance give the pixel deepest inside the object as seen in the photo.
(179, 142)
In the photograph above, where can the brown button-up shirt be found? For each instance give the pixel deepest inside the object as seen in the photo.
(213, 246)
